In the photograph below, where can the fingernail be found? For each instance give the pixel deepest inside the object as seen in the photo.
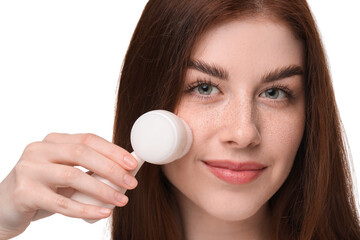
(104, 211)
(130, 181)
(131, 162)
(122, 199)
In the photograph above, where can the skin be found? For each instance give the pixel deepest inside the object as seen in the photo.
(44, 178)
(239, 121)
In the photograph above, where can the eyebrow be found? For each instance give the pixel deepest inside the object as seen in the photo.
(208, 69)
(221, 73)
(282, 72)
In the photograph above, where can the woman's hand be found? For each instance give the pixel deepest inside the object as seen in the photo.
(45, 177)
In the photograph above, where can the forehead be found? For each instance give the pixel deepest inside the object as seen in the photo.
(258, 42)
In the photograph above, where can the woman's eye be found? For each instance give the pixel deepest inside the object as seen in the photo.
(206, 89)
(274, 93)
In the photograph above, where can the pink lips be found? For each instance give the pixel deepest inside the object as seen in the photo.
(235, 172)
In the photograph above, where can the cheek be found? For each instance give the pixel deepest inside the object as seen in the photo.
(203, 120)
(283, 129)
(281, 137)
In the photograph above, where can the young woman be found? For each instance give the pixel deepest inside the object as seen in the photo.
(267, 161)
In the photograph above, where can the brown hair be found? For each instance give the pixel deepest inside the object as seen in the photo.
(316, 200)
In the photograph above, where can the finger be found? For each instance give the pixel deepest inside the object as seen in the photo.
(84, 156)
(66, 191)
(60, 176)
(59, 204)
(81, 155)
(99, 144)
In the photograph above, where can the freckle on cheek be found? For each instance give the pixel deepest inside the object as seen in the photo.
(287, 131)
(209, 119)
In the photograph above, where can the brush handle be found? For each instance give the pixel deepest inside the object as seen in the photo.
(83, 198)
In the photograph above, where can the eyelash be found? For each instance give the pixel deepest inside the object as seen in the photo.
(288, 92)
(190, 87)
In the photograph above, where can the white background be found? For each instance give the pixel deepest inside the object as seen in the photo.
(59, 66)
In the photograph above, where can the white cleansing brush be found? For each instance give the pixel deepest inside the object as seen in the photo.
(157, 137)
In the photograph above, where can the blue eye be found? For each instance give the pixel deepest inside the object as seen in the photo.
(278, 91)
(203, 88)
(206, 89)
(274, 93)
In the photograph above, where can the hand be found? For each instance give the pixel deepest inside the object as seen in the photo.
(45, 177)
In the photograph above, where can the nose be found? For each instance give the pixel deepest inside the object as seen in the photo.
(239, 126)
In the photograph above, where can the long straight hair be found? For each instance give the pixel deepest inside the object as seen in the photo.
(316, 200)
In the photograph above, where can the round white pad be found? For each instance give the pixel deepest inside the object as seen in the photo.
(160, 137)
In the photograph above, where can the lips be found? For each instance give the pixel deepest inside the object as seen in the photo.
(235, 172)
(235, 166)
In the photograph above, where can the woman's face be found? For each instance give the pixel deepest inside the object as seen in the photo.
(244, 101)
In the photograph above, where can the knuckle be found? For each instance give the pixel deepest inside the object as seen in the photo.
(87, 138)
(62, 202)
(84, 211)
(113, 168)
(114, 152)
(51, 136)
(31, 149)
(70, 175)
(78, 150)
(21, 168)
(104, 193)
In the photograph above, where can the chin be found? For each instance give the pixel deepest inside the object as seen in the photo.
(240, 213)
